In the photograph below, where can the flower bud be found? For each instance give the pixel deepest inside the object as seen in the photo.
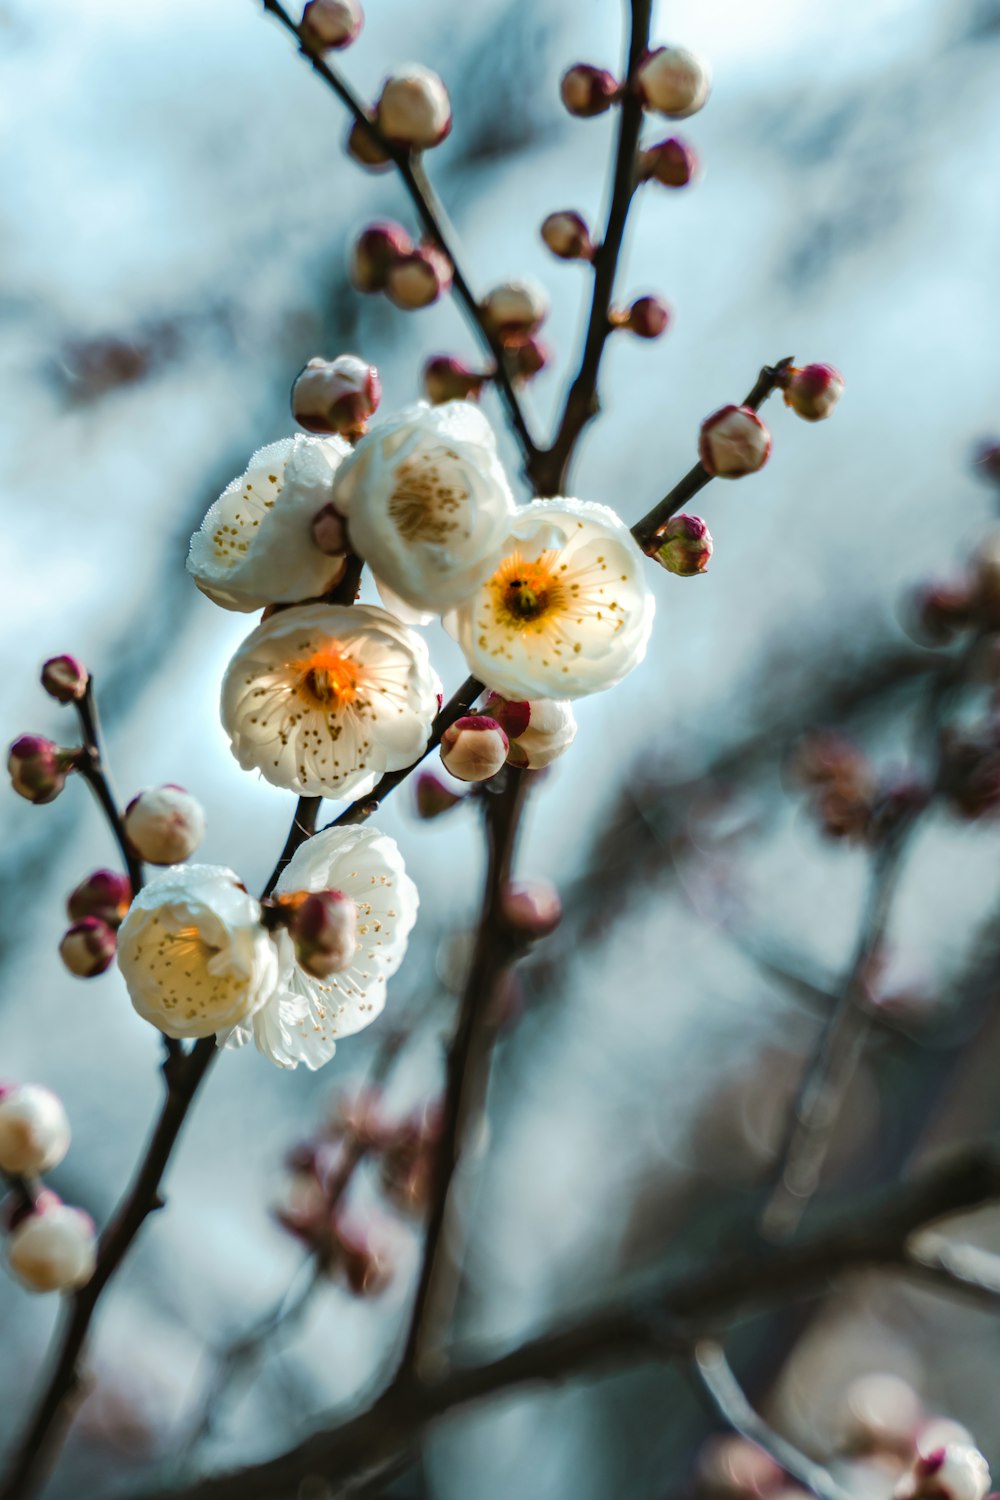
(105, 894)
(329, 532)
(587, 91)
(969, 776)
(34, 1130)
(813, 391)
(684, 546)
(432, 796)
(474, 748)
(376, 251)
(647, 318)
(448, 379)
(324, 929)
(364, 1264)
(365, 149)
(671, 163)
(567, 236)
(336, 396)
(414, 110)
(673, 81)
(53, 1248)
(527, 359)
(65, 679)
(539, 731)
(38, 768)
(328, 25)
(987, 460)
(165, 824)
(734, 442)
(515, 310)
(937, 612)
(954, 1472)
(418, 279)
(88, 947)
(531, 907)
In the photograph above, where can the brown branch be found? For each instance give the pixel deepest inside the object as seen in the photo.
(92, 769)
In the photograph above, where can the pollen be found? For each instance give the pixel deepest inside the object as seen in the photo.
(327, 678)
(525, 593)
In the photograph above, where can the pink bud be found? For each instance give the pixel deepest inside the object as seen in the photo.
(105, 894)
(34, 1130)
(376, 251)
(324, 930)
(65, 679)
(647, 318)
(88, 947)
(671, 163)
(38, 768)
(587, 91)
(165, 824)
(684, 546)
(474, 748)
(337, 395)
(514, 310)
(734, 442)
(673, 81)
(813, 391)
(365, 1265)
(512, 715)
(418, 279)
(329, 532)
(567, 236)
(448, 379)
(531, 907)
(414, 110)
(366, 149)
(432, 796)
(938, 612)
(527, 359)
(328, 25)
(539, 731)
(53, 1248)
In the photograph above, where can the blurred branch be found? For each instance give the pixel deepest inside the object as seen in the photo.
(939, 1261)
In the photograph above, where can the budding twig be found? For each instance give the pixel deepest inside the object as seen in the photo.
(92, 769)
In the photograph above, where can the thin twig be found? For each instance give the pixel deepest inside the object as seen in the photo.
(94, 772)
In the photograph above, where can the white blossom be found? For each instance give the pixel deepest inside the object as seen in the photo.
(324, 698)
(54, 1248)
(34, 1130)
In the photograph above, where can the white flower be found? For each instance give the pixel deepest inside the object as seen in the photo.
(34, 1130)
(427, 502)
(194, 955)
(566, 612)
(255, 546)
(325, 698)
(303, 1020)
(54, 1248)
(539, 732)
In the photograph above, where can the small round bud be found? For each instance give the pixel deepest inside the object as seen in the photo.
(328, 25)
(448, 379)
(531, 907)
(418, 279)
(813, 391)
(363, 145)
(527, 359)
(329, 532)
(954, 1472)
(324, 929)
(53, 1248)
(673, 81)
(684, 546)
(539, 731)
(165, 824)
(34, 1130)
(65, 679)
(734, 442)
(647, 318)
(474, 748)
(514, 310)
(414, 109)
(105, 894)
(987, 460)
(376, 251)
(336, 396)
(432, 796)
(567, 236)
(587, 91)
(671, 163)
(937, 612)
(38, 768)
(88, 947)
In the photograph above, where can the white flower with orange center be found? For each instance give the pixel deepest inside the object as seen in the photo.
(325, 698)
(256, 545)
(306, 1016)
(565, 612)
(427, 503)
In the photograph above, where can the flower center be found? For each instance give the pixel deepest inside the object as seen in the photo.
(427, 501)
(526, 591)
(188, 942)
(327, 677)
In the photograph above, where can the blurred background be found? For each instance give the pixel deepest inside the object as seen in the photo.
(175, 217)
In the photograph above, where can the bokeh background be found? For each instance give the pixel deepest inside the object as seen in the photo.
(175, 216)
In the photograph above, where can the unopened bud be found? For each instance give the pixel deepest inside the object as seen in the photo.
(366, 149)
(671, 163)
(531, 907)
(539, 731)
(328, 25)
(34, 1130)
(474, 748)
(53, 1248)
(647, 317)
(432, 796)
(336, 396)
(65, 679)
(812, 391)
(969, 776)
(38, 768)
(88, 947)
(684, 546)
(324, 929)
(673, 81)
(414, 109)
(376, 251)
(938, 612)
(527, 359)
(165, 824)
(418, 279)
(329, 532)
(105, 894)
(448, 379)
(954, 1472)
(587, 91)
(987, 460)
(567, 236)
(365, 1265)
(734, 442)
(514, 310)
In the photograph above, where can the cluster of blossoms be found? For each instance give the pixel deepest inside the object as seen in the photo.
(50, 1246)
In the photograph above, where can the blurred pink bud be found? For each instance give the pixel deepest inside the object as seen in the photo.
(526, 359)
(366, 149)
(531, 907)
(474, 748)
(813, 391)
(539, 731)
(432, 796)
(324, 929)
(88, 947)
(38, 768)
(328, 25)
(418, 279)
(647, 317)
(414, 109)
(587, 91)
(566, 234)
(684, 546)
(164, 824)
(954, 1472)
(448, 379)
(34, 1130)
(376, 251)
(671, 163)
(365, 1265)
(673, 81)
(514, 310)
(938, 612)
(329, 532)
(987, 460)
(54, 1247)
(105, 894)
(336, 396)
(734, 442)
(65, 679)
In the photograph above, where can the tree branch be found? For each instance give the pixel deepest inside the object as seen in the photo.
(93, 771)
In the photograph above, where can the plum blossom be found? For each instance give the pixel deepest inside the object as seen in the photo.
(53, 1248)
(34, 1130)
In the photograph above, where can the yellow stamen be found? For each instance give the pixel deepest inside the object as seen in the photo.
(327, 677)
(525, 592)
